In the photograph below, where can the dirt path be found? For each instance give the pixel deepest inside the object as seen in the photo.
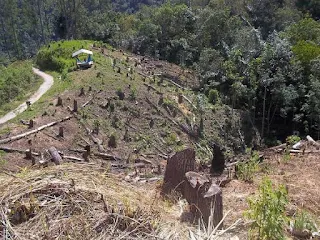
(45, 86)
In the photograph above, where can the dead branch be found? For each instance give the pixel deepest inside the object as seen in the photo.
(17, 137)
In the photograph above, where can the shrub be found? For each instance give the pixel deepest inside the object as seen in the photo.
(213, 96)
(293, 139)
(267, 210)
(246, 170)
(303, 222)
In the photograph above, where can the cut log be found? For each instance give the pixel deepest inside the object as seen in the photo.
(73, 158)
(313, 142)
(88, 102)
(56, 158)
(10, 150)
(17, 137)
(204, 198)
(177, 166)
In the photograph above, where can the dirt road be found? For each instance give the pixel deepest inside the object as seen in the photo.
(45, 86)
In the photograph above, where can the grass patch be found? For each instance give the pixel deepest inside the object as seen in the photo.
(17, 83)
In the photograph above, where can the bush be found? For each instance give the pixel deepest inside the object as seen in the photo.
(293, 139)
(213, 96)
(15, 81)
(303, 222)
(246, 170)
(267, 210)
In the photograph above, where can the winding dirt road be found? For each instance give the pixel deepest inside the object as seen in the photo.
(45, 86)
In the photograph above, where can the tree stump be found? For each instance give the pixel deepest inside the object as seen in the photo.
(56, 158)
(204, 198)
(75, 105)
(59, 102)
(218, 160)
(112, 141)
(31, 123)
(28, 104)
(61, 133)
(160, 102)
(81, 92)
(177, 166)
(29, 154)
(180, 98)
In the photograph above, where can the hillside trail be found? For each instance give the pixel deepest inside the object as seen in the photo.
(45, 86)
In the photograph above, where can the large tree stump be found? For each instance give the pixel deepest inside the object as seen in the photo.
(218, 160)
(177, 166)
(56, 158)
(204, 197)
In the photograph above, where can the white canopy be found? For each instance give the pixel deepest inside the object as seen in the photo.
(81, 51)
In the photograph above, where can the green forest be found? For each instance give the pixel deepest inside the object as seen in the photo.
(259, 57)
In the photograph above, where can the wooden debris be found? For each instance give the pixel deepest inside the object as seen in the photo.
(56, 158)
(17, 137)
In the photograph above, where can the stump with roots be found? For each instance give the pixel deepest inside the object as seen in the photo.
(204, 198)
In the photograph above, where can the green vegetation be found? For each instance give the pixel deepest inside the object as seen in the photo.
(56, 56)
(267, 210)
(303, 221)
(246, 170)
(16, 81)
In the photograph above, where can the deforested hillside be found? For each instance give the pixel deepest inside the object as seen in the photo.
(127, 148)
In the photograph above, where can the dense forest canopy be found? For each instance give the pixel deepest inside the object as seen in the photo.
(262, 57)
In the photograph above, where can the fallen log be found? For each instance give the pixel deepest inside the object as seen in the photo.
(10, 150)
(56, 158)
(73, 158)
(17, 137)
(313, 142)
(105, 156)
(86, 103)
